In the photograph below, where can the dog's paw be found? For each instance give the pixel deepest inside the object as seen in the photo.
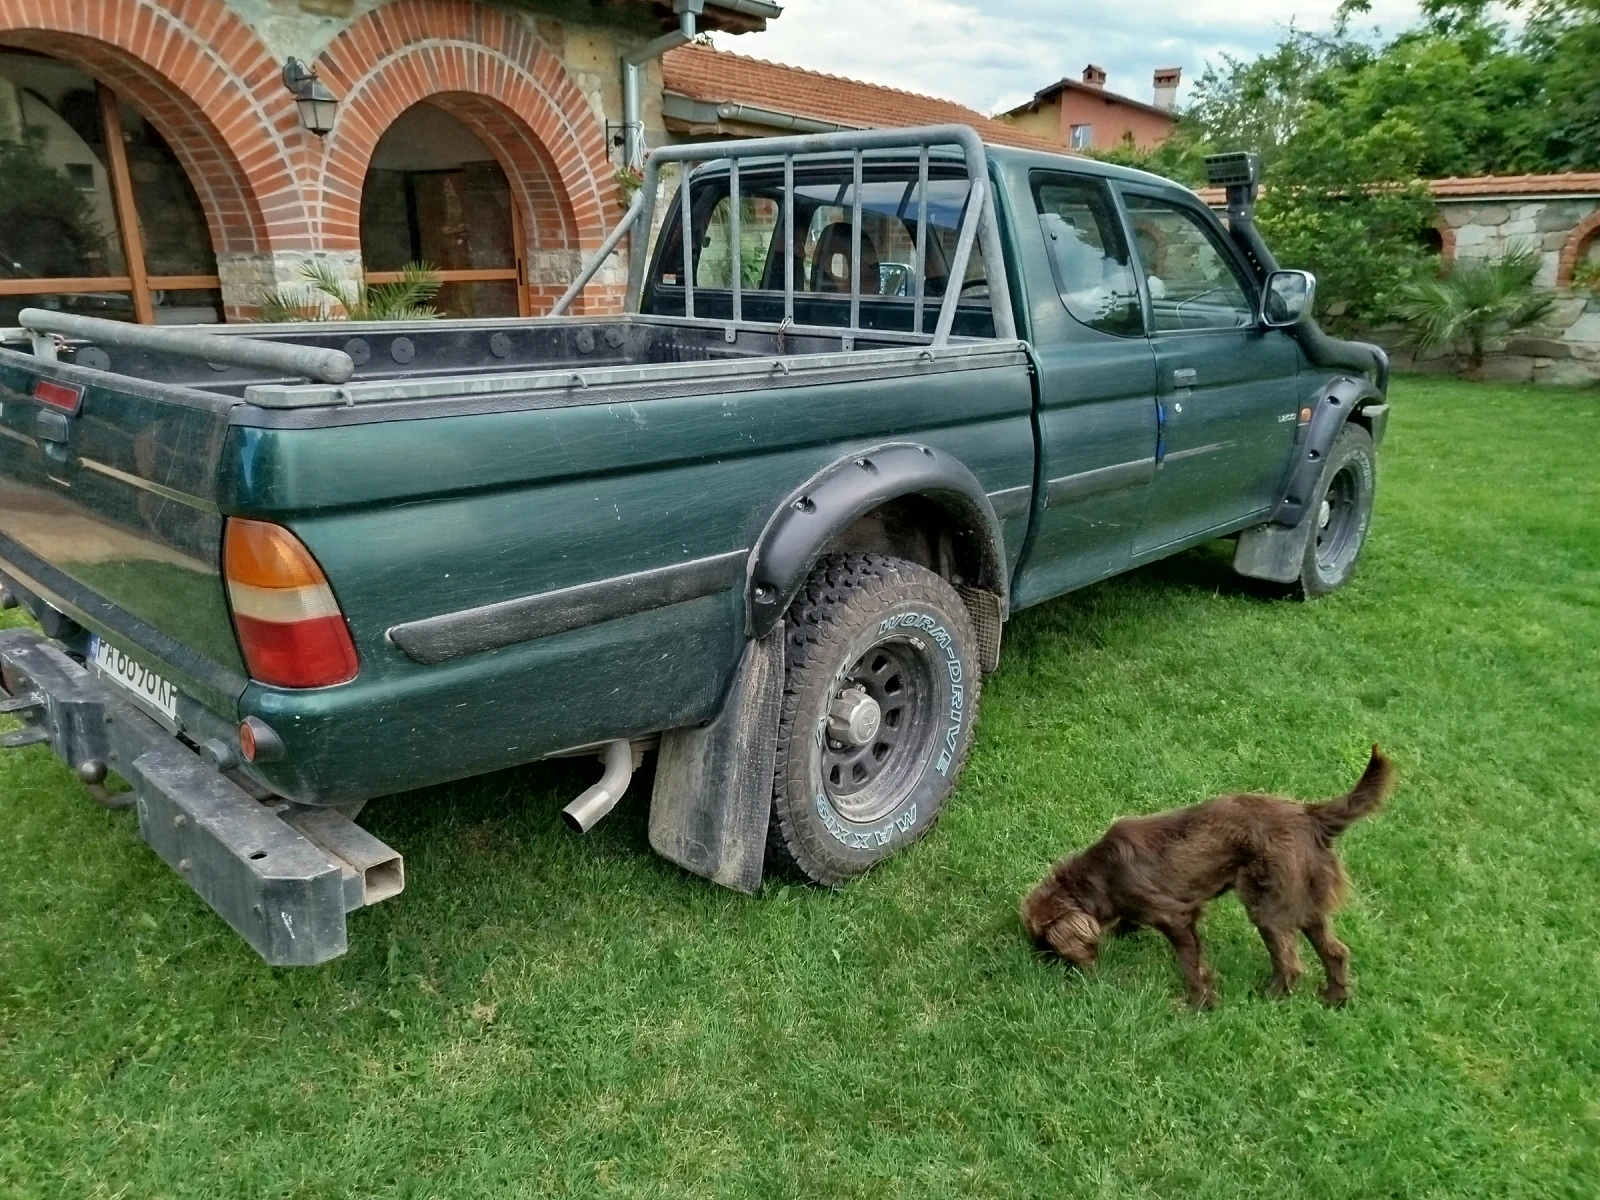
(1204, 1000)
(1277, 988)
(1334, 997)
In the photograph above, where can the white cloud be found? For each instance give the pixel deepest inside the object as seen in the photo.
(993, 54)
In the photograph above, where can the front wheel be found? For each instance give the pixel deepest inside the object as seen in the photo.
(880, 698)
(1340, 512)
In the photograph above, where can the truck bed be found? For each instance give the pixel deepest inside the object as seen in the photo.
(466, 464)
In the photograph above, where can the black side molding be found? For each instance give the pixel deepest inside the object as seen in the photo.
(435, 640)
(1103, 479)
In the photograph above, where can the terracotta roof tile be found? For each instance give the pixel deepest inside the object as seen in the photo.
(1516, 185)
(715, 76)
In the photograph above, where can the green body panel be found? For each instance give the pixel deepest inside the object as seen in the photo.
(414, 519)
(149, 555)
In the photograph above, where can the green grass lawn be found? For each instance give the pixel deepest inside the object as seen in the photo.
(541, 1014)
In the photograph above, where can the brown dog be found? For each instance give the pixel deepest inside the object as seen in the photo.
(1163, 870)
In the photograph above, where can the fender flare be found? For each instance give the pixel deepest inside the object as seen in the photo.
(1341, 400)
(832, 500)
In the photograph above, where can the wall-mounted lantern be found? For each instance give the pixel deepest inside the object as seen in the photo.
(316, 102)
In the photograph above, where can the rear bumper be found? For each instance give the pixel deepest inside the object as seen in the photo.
(282, 877)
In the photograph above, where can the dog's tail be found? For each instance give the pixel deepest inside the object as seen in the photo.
(1371, 790)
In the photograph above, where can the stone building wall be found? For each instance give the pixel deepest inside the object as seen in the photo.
(1565, 230)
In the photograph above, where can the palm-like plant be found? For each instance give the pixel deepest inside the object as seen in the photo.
(1475, 303)
(326, 297)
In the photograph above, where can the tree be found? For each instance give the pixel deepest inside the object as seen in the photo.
(1349, 209)
(1475, 303)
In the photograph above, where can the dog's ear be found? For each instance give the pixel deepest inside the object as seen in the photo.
(1075, 936)
(1043, 907)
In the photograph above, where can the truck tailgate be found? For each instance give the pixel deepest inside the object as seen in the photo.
(108, 512)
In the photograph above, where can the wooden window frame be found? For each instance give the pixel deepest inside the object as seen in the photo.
(137, 283)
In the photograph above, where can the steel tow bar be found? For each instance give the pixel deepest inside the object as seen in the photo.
(283, 877)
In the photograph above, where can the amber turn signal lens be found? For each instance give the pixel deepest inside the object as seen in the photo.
(267, 556)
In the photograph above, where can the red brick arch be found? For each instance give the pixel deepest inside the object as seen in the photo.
(1447, 242)
(207, 84)
(1572, 253)
(487, 69)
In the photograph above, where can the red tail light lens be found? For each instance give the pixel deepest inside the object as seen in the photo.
(289, 624)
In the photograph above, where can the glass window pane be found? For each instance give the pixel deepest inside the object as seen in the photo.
(823, 245)
(494, 298)
(1088, 253)
(758, 222)
(1193, 284)
(57, 214)
(113, 306)
(177, 240)
(187, 306)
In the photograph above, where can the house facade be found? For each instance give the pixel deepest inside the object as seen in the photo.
(1080, 114)
(159, 163)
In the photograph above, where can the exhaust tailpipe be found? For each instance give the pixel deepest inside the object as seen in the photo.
(589, 809)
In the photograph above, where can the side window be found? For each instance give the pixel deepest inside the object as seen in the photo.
(758, 222)
(1088, 253)
(1193, 284)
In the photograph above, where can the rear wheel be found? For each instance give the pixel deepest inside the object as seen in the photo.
(880, 698)
(1340, 512)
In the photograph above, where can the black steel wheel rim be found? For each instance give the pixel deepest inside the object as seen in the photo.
(865, 783)
(1339, 519)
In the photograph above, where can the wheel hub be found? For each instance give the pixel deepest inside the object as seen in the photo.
(1325, 515)
(874, 734)
(854, 718)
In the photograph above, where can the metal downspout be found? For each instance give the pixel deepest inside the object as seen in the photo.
(633, 65)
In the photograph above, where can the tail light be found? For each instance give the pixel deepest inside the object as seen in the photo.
(289, 625)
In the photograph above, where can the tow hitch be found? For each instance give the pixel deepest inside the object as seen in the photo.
(283, 876)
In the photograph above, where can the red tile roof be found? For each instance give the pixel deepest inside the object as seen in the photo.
(1484, 187)
(1516, 185)
(717, 77)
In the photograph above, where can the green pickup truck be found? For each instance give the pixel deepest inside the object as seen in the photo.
(871, 393)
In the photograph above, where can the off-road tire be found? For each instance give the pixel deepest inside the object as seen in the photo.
(865, 623)
(1340, 514)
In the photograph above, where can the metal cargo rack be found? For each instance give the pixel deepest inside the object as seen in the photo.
(979, 224)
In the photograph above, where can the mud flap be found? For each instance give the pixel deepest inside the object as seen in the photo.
(713, 790)
(1272, 552)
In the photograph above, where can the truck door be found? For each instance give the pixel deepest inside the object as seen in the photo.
(1097, 409)
(1226, 384)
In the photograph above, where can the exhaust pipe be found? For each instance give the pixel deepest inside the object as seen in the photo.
(589, 809)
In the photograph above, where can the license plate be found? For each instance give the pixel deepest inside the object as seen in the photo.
(148, 687)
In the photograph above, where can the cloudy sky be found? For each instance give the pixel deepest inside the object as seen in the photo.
(993, 54)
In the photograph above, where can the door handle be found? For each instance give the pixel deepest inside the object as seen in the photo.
(1185, 377)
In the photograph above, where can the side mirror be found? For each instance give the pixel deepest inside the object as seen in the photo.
(1287, 298)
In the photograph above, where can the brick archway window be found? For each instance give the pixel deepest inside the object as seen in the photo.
(97, 216)
(435, 194)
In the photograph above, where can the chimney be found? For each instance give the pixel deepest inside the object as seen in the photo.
(1094, 76)
(1167, 87)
